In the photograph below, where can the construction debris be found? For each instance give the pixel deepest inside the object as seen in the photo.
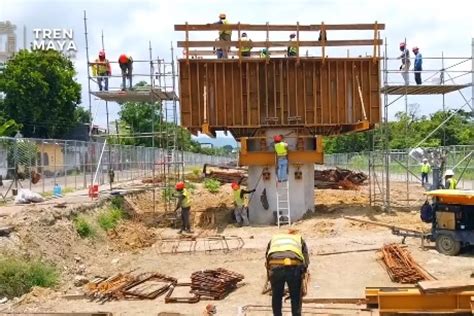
(225, 174)
(401, 266)
(191, 243)
(338, 179)
(214, 284)
(106, 289)
(194, 298)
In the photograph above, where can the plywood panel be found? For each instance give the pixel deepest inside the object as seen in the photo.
(248, 94)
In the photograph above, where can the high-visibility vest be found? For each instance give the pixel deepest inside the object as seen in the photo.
(187, 198)
(280, 149)
(287, 242)
(100, 67)
(452, 183)
(425, 168)
(292, 48)
(225, 31)
(245, 45)
(237, 199)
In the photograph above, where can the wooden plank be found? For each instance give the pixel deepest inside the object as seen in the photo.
(247, 91)
(224, 91)
(199, 91)
(203, 52)
(259, 117)
(305, 106)
(282, 97)
(333, 43)
(441, 286)
(233, 95)
(315, 102)
(277, 27)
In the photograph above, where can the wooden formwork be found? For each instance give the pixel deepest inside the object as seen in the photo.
(326, 97)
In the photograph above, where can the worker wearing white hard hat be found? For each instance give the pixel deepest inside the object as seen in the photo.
(450, 182)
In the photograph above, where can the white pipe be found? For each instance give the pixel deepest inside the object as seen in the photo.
(100, 161)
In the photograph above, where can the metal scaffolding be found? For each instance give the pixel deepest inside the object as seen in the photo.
(439, 82)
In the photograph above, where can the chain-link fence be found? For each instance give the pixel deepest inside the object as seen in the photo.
(459, 158)
(38, 164)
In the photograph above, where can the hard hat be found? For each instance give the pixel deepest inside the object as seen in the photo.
(277, 138)
(244, 34)
(102, 54)
(425, 160)
(179, 185)
(123, 59)
(449, 172)
(211, 309)
(235, 186)
(292, 35)
(222, 16)
(415, 49)
(402, 44)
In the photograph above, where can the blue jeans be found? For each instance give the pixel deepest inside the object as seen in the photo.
(282, 172)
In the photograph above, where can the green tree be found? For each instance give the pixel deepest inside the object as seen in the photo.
(81, 115)
(40, 92)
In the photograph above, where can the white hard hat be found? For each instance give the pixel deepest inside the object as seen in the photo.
(424, 159)
(449, 172)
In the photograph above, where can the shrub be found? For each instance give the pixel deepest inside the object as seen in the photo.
(212, 185)
(83, 227)
(196, 172)
(167, 194)
(18, 276)
(110, 218)
(117, 202)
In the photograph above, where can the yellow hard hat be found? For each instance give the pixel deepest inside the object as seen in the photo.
(222, 16)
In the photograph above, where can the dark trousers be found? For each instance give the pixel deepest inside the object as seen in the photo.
(185, 218)
(290, 275)
(226, 38)
(418, 77)
(126, 72)
(246, 54)
(424, 178)
(106, 82)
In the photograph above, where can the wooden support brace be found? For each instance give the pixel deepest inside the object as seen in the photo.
(240, 51)
(323, 42)
(187, 43)
(297, 43)
(374, 56)
(361, 98)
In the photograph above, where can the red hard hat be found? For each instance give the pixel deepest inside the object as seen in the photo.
(277, 138)
(102, 54)
(235, 186)
(123, 59)
(402, 44)
(179, 185)
(415, 48)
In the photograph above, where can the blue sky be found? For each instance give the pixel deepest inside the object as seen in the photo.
(128, 26)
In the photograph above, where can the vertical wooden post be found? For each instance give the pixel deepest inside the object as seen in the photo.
(240, 53)
(323, 42)
(187, 43)
(297, 43)
(267, 46)
(374, 56)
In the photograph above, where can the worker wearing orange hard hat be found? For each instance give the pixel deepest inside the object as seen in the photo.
(281, 150)
(184, 202)
(102, 70)
(126, 65)
(240, 210)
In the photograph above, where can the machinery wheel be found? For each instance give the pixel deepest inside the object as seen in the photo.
(447, 245)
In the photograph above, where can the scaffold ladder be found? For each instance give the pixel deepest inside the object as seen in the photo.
(283, 203)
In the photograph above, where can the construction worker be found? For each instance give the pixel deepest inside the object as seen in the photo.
(224, 35)
(264, 53)
(405, 66)
(102, 70)
(126, 65)
(287, 261)
(425, 170)
(245, 46)
(450, 182)
(218, 51)
(292, 50)
(184, 202)
(418, 64)
(240, 210)
(281, 150)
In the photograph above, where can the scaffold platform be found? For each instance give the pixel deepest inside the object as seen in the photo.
(142, 95)
(422, 89)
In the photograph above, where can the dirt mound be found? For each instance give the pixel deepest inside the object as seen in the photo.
(131, 235)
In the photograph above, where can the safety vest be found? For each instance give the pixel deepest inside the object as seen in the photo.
(237, 199)
(425, 168)
(225, 31)
(100, 67)
(280, 149)
(187, 198)
(452, 183)
(245, 45)
(287, 242)
(292, 49)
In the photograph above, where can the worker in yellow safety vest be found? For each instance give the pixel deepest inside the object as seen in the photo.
(240, 210)
(102, 70)
(281, 150)
(450, 182)
(287, 261)
(224, 35)
(245, 45)
(184, 202)
(292, 50)
(425, 170)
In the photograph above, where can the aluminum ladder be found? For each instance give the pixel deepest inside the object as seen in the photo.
(283, 203)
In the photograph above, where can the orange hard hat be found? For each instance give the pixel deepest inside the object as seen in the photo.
(123, 59)
(277, 138)
(234, 186)
(179, 185)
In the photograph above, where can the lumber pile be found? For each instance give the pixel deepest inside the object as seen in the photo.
(401, 266)
(338, 179)
(214, 284)
(446, 286)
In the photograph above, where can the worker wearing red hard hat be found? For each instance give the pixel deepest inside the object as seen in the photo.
(418, 64)
(405, 66)
(240, 210)
(184, 202)
(126, 65)
(281, 150)
(102, 70)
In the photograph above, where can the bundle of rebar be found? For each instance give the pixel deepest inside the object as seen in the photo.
(214, 284)
(401, 266)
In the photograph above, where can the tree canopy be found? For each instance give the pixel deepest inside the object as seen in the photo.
(40, 92)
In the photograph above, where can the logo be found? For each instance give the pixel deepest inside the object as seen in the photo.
(57, 39)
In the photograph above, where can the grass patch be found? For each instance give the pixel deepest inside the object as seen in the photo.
(83, 227)
(110, 218)
(67, 190)
(197, 172)
(18, 276)
(212, 185)
(47, 194)
(117, 202)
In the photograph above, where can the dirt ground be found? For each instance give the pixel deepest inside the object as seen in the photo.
(48, 233)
